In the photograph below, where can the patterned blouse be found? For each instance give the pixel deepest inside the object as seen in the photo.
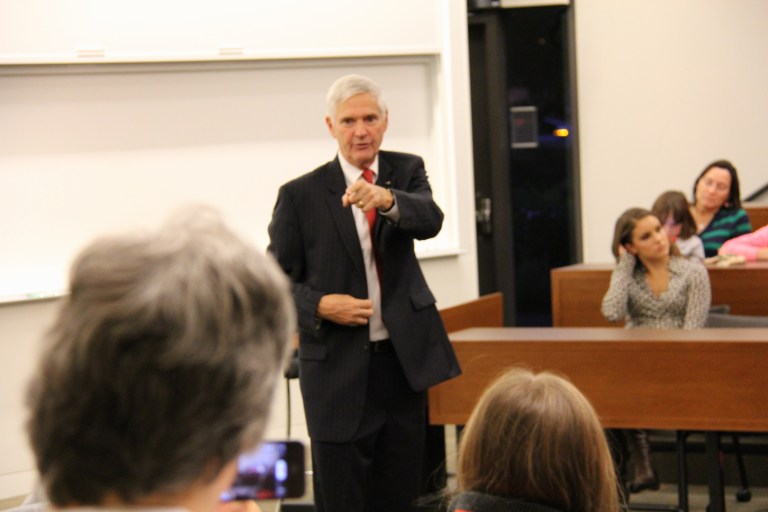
(684, 304)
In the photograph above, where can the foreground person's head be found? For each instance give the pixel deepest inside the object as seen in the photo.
(536, 438)
(160, 367)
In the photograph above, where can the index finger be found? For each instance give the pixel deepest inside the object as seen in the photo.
(356, 186)
(365, 303)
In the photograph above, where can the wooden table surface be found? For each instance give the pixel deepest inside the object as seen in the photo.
(706, 379)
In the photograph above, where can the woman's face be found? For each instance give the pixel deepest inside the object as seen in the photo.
(713, 188)
(649, 239)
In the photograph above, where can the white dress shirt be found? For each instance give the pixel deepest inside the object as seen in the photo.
(378, 331)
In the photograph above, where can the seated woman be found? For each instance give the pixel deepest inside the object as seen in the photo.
(652, 287)
(717, 207)
(534, 444)
(753, 246)
(673, 211)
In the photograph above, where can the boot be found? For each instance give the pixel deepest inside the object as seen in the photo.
(618, 447)
(643, 474)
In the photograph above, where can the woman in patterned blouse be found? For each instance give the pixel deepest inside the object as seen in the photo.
(716, 206)
(652, 287)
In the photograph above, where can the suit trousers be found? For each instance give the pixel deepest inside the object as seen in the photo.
(380, 469)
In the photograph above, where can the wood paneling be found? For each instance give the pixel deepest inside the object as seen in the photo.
(486, 311)
(577, 291)
(758, 214)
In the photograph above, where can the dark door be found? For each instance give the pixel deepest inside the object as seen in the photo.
(526, 181)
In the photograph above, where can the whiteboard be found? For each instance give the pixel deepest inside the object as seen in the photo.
(93, 149)
(37, 31)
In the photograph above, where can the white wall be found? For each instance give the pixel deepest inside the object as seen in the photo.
(664, 88)
(21, 326)
(302, 36)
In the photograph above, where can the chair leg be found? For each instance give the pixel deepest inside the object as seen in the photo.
(682, 470)
(743, 494)
(714, 472)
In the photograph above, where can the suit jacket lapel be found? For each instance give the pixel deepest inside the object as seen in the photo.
(384, 179)
(342, 217)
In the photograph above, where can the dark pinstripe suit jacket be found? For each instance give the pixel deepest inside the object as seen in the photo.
(315, 241)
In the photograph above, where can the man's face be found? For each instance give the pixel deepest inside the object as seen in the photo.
(358, 126)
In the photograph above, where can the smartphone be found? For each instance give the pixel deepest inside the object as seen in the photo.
(274, 470)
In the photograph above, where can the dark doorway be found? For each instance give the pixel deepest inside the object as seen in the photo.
(524, 129)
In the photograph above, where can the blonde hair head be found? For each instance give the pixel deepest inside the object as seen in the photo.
(535, 437)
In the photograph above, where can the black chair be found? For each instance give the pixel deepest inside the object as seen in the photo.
(292, 370)
(290, 373)
(727, 320)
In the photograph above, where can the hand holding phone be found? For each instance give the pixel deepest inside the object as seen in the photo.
(237, 506)
(274, 470)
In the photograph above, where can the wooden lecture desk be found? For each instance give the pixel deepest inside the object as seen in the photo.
(709, 380)
(758, 214)
(577, 291)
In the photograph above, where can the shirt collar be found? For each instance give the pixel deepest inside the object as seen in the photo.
(352, 173)
(676, 265)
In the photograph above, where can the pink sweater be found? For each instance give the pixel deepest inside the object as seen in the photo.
(747, 245)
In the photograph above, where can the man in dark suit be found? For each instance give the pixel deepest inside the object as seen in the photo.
(371, 339)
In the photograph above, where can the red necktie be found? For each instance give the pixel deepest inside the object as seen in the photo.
(371, 215)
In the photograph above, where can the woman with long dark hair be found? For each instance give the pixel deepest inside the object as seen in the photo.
(716, 206)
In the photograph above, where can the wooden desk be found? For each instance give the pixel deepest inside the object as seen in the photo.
(707, 379)
(577, 291)
(485, 311)
(758, 214)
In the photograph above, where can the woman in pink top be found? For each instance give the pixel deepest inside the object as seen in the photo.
(753, 246)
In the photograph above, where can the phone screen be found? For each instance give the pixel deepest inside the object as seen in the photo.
(274, 470)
